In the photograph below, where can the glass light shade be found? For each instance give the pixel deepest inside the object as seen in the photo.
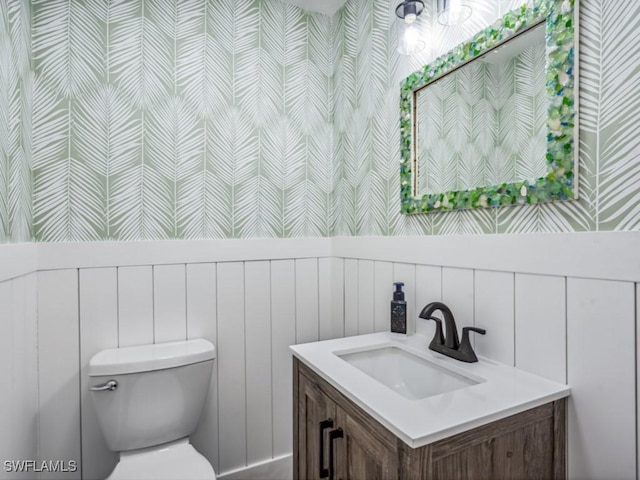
(453, 12)
(410, 39)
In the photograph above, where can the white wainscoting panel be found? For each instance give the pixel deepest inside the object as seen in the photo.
(232, 394)
(603, 255)
(428, 289)
(283, 334)
(383, 294)
(258, 355)
(457, 294)
(98, 331)
(366, 287)
(251, 310)
(58, 363)
(17, 259)
(64, 255)
(202, 323)
(253, 299)
(541, 326)
(516, 287)
(601, 372)
(306, 300)
(169, 303)
(6, 371)
(350, 297)
(337, 297)
(494, 311)
(19, 369)
(135, 306)
(327, 295)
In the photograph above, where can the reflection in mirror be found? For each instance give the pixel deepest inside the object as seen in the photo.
(485, 122)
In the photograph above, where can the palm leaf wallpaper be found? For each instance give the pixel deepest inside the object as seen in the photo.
(163, 119)
(159, 119)
(16, 106)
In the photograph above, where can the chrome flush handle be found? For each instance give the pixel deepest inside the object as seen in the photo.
(111, 385)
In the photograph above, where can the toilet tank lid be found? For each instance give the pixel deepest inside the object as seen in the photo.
(145, 358)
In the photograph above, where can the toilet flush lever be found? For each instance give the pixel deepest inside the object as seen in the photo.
(111, 385)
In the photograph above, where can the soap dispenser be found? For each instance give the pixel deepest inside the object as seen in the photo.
(398, 310)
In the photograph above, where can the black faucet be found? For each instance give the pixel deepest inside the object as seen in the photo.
(450, 345)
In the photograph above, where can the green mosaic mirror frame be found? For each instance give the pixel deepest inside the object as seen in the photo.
(561, 181)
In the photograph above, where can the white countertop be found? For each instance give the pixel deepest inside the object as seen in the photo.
(502, 391)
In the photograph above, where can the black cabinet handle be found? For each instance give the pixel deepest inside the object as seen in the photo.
(333, 434)
(328, 423)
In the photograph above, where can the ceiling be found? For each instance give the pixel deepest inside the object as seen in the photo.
(327, 7)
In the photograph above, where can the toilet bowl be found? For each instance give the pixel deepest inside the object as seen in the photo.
(148, 400)
(169, 461)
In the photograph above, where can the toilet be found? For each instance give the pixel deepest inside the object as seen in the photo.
(148, 400)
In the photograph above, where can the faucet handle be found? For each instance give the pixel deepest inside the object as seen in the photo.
(481, 331)
(438, 337)
(468, 355)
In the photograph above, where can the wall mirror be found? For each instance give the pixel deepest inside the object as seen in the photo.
(493, 122)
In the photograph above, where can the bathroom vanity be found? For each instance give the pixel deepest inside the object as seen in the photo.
(362, 411)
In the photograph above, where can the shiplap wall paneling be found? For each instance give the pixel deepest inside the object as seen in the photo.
(306, 300)
(350, 297)
(383, 294)
(231, 366)
(6, 365)
(406, 273)
(325, 325)
(637, 305)
(283, 334)
(258, 353)
(428, 289)
(457, 294)
(541, 326)
(58, 364)
(337, 297)
(202, 323)
(135, 306)
(169, 303)
(601, 373)
(98, 331)
(20, 312)
(494, 311)
(366, 288)
(330, 298)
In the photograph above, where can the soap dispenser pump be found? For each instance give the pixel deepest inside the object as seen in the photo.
(398, 310)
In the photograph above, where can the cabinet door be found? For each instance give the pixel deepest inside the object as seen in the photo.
(360, 455)
(316, 418)
(525, 453)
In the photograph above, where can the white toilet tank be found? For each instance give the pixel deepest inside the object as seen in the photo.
(160, 391)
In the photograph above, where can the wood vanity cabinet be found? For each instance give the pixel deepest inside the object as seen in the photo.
(335, 439)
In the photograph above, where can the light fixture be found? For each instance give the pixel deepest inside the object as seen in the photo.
(409, 36)
(453, 12)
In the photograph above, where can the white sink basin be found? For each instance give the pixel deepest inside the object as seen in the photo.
(420, 395)
(411, 376)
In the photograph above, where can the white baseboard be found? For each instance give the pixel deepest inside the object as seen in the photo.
(280, 468)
